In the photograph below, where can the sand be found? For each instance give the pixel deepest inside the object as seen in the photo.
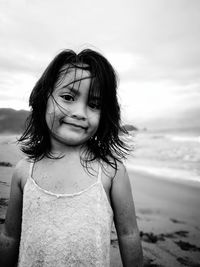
(169, 220)
(168, 214)
(168, 217)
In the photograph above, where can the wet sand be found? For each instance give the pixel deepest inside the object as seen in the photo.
(168, 216)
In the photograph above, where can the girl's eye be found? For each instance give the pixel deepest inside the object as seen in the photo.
(68, 97)
(94, 105)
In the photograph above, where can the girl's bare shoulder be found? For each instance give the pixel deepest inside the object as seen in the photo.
(21, 170)
(112, 176)
(113, 173)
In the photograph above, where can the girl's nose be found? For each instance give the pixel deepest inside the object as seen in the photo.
(79, 111)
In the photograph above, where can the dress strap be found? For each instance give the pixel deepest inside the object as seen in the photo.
(99, 172)
(31, 169)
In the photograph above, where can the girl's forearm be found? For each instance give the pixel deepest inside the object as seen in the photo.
(131, 250)
(8, 251)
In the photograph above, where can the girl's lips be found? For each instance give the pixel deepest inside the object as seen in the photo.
(76, 125)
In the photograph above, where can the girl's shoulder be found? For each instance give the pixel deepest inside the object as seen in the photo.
(23, 166)
(113, 173)
(21, 170)
(114, 180)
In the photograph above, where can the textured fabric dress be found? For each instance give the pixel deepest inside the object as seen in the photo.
(65, 229)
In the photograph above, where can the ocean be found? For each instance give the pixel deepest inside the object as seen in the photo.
(172, 154)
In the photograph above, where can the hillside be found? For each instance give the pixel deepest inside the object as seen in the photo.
(12, 121)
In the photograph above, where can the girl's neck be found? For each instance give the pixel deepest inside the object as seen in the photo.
(67, 151)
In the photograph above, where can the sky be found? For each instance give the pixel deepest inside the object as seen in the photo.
(152, 44)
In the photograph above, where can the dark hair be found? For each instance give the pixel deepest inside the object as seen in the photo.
(106, 144)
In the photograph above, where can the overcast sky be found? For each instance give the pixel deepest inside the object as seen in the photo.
(153, 45)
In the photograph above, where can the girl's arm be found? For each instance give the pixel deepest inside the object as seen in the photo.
(125, 219)
(10, 234)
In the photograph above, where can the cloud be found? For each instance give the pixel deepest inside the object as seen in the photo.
(124, 62)
(150, 99)
(154, 46)
(20, 63)
(15, 93)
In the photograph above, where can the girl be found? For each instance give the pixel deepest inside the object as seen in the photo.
(65, 195)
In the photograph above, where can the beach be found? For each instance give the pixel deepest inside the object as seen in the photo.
(168, 217)
(167, 211)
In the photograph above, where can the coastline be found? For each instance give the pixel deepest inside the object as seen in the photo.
(168, 217)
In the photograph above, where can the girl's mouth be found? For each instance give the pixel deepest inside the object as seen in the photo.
(76, 125)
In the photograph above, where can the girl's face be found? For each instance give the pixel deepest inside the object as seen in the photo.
(73, 113)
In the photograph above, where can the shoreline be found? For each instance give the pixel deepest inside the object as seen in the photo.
(174, 197)
(174, 175)
(169, 220)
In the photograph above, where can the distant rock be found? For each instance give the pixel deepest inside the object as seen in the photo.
(130, 127)
(5, 164)
(12, 121)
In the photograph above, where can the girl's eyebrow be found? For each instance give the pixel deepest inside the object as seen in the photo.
(71, 88)
(74, 91)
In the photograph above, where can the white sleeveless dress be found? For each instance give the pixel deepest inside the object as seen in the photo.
(65, 229)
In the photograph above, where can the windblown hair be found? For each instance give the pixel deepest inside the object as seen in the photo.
(107, 144)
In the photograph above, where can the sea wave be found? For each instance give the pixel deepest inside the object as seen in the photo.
(163, 172)
(183, 138)
(174, 156)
